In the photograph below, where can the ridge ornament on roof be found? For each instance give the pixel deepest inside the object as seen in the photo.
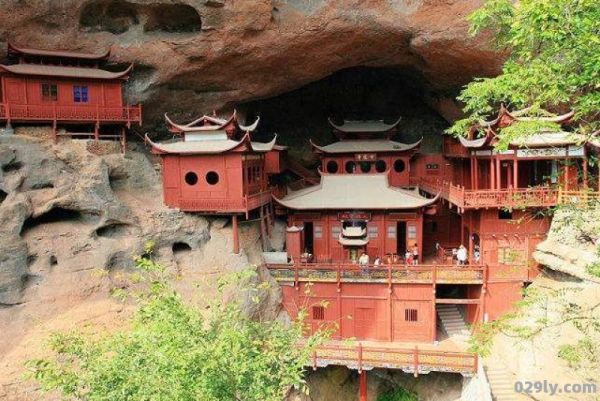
(210, 123)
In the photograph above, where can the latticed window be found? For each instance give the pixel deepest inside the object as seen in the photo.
(372, 231)
(391, 231)
(336, 231)
(49, 92)
(411, 315)
(318, 312)
(510, 256)
(318, 232)
(80, 94)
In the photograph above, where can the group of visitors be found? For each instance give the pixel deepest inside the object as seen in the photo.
(461, 255)
(410, 258)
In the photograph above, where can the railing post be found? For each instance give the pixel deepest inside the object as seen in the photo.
(416, 361)
(338, 277)
(389, 267)
(360, 354)
(296, 275)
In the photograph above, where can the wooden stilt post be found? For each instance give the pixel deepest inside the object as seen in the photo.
(362, 385)
(263, 228)
(236, 238)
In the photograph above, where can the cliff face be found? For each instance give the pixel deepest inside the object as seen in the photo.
(561, 312)
(198, 55)
(72, 217)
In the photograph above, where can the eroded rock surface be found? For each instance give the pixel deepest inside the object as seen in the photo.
(199, 55)
(72, 218)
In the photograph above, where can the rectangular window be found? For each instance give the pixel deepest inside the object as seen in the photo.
(391, 232)
(410, 315)
(412, 231)
(318, 312)
(49, 92)
(504, 215)
(318, 232)
(372, 230)
(80, 94)
(336, 231)
(510, 256)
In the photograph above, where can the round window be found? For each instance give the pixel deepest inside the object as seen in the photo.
(191, 178)
(380, 166)
(365, 167)
(332, 167)
(350, 167)
(399, 166)
(212, 178)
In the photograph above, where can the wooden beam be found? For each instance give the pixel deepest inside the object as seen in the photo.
(452, 301)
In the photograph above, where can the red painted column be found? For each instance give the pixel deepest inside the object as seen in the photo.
(362, 386)
(515, 173)
(236, 238)
(492, 173)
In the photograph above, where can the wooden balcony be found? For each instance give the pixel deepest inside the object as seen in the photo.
(384, 274)
(489, 198)
(10, 112)
(227, 205)
(416, 359)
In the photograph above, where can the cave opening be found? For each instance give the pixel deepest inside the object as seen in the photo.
(174, 18)
(3, 196)
(113, 230)
(54, 215)
(358, 93)
(112, 16)
(181, 247)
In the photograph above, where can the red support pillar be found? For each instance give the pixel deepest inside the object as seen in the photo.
(236, 238)
(498, 174)
(476, 173)
(492, 173)
(515, 173)
(362, 385)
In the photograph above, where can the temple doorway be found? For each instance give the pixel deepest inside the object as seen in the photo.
(308, 237)
(401, 238)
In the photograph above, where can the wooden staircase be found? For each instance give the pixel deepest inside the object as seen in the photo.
(452, 321)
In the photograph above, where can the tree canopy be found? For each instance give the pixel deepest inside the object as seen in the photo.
(553, 63)
(174, 351)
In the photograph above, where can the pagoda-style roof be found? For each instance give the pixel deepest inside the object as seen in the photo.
(353, 241)
(13, 49)
(506, 118)
(65, 72)
(210, 123)
(354, 191)
(365, 145)
(212, 146)
(364, 126)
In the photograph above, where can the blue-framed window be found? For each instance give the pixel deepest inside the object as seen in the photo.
(80, 94)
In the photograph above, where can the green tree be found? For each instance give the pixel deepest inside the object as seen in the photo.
(178, 352)
(553, 63)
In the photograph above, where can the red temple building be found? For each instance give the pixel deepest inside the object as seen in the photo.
(382, 197)
(63, 89)
(214, 167)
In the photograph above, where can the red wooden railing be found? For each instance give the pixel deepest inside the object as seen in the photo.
(408, 359)
(390, 274)
(248, 202)
(482, 198)
(53, 112)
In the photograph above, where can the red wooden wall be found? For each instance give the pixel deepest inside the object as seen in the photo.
(381, 230)
(366, 311)
(27, 90)
(397, 178)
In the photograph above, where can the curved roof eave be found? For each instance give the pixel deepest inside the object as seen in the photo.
(58, 53)
(384, 128)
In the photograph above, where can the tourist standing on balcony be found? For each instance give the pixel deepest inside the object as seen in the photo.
(363, 262)
(408, 257)
(377, 261)
(476, 254)
(461, 255)
(415, 252)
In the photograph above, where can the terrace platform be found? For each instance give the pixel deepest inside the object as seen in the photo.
(416, 358)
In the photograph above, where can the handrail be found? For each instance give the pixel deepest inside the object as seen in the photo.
(390, 274)
(415, 359)
(56, 112)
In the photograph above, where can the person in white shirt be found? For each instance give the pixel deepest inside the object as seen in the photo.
(461, 255)
(363, 262)
(377, 261)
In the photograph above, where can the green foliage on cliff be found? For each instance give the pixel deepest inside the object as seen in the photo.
(552, 63)
(175, 351)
